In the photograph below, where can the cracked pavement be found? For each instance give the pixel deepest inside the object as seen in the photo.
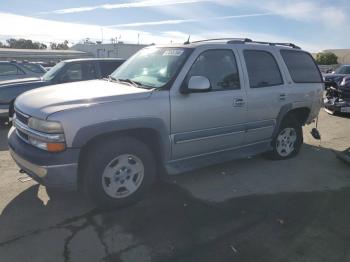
(247, 210)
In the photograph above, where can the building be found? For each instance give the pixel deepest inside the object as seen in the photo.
(116, 50)
(40, 55)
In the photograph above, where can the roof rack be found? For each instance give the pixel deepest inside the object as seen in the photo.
(243, 41)
(235, 41)
(220, 39)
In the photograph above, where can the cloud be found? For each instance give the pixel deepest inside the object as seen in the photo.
(45, 30)
(138, 4)
(300, 10)
(182, 21)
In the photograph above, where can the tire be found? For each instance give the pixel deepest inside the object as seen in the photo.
(288, 141)
(119, 172)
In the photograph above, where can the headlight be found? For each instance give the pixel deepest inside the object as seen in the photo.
(50, 127)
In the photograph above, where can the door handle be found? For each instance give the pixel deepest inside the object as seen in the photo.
(283, 97)
(238, 102)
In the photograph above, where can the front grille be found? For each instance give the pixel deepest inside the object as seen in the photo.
(22, 117)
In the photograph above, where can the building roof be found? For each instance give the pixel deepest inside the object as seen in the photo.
(39, 51)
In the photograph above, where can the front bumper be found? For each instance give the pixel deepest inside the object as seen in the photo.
(58, 170)
(338, 107)
(4, 111)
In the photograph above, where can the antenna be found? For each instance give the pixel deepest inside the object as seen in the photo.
(188, 40)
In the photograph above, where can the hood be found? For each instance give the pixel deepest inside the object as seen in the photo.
(20, 81)
(45, 101)
(333, 77)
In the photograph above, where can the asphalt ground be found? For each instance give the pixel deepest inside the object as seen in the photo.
(245, 210)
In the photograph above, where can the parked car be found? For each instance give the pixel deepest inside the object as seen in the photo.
(337, 76)
(18, 70)
(337, 99)
(63, 72)
(173, 108)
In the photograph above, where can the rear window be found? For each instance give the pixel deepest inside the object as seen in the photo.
(263, 70)
(109, 67)
(301, 66)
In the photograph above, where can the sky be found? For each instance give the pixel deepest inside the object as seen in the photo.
(313, 25)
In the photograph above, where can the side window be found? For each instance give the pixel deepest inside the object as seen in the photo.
(220, 67)
(74, 72)
(109, 67)
(262, 69)
(8, 69)
(89, 71)
(34, 68)
(301, 66)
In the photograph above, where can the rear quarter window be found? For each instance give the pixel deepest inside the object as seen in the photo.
(301, 66)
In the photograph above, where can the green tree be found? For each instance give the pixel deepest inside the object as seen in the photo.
(326, 58)
(24, 44)
(60, 46)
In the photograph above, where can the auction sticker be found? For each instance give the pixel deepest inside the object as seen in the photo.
(173, 52)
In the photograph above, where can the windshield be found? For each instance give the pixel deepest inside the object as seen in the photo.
(344, 70)
(153, 67)
(49, 75)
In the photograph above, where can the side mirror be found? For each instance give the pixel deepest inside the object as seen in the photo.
(198, 83)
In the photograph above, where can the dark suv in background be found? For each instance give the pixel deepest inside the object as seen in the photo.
(64, 72)
(13, 70)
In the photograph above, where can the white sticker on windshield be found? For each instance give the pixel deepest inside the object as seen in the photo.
(173, 52)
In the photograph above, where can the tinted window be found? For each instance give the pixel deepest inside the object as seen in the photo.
(78, 72)
(109, 67)
(74, 72)
(301, 66)
(89, 71)
(220, 67)
(343, 70)
(8, 69)
(262, 69)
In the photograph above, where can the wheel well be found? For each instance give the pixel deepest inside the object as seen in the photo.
(300, 114)
(146, 135)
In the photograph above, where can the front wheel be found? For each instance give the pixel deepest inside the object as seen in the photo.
(119, 172)
(288, 141)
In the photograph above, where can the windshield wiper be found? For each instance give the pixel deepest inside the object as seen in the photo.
(137, 84)
(134, 83)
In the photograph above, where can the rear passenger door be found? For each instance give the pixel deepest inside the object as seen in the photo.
(266, 92)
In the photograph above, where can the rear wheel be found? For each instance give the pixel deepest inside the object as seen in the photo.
(288, 141)
(119, 172)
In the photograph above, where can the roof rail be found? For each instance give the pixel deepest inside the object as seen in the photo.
(220, 39)
(263, 43)
(243, 41)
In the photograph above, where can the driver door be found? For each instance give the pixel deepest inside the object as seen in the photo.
(210, 121)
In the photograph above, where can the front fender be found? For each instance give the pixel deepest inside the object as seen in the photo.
(85, 134)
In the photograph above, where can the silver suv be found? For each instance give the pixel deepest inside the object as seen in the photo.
(168, 108)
